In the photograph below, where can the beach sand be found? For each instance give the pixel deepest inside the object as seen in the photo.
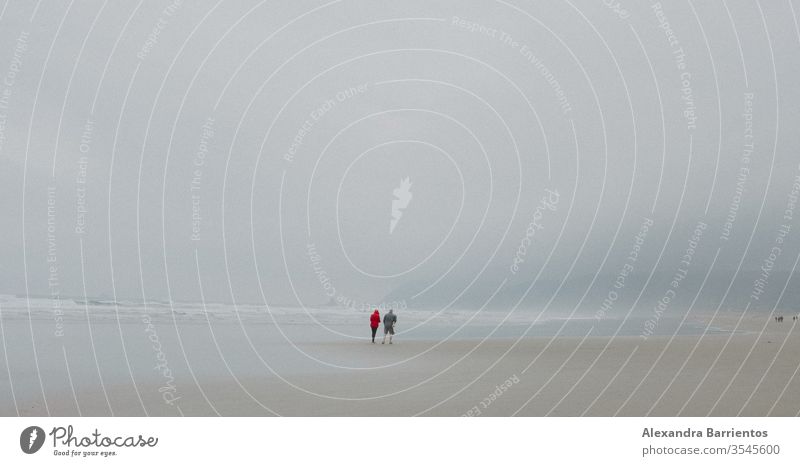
(202, 367)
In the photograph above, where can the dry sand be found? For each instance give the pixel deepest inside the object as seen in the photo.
(752, 372)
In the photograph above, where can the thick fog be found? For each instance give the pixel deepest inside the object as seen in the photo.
(464, 154)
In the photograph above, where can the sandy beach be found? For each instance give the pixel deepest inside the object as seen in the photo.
(299, 364)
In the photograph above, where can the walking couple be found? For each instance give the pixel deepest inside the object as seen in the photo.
(388, 324)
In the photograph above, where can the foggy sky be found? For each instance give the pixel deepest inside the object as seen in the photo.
(248, 151)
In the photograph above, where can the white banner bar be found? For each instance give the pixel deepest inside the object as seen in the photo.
(401, 441)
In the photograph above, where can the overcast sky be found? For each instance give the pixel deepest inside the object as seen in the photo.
(250, 151)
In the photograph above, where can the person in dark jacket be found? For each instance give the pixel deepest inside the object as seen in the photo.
(388, 326)
(374, 323)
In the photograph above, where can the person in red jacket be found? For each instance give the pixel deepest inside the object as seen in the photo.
(374, 323)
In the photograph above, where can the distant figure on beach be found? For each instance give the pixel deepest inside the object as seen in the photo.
(374, 323)
(388, 326)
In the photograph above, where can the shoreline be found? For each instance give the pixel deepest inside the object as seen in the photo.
(204, 370)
